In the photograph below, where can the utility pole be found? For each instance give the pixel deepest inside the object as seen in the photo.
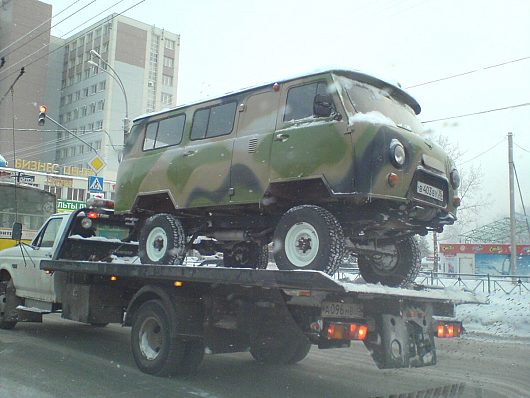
(435, 252)
(513, 248)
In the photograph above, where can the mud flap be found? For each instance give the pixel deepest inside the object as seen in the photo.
(403, 340)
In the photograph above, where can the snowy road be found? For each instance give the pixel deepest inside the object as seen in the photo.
(65, 359)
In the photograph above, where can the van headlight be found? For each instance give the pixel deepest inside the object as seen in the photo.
(398, 156)
(454, 177)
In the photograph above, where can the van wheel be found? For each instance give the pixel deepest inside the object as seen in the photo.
(162, 240)
(398, 269)
(8, 303)
(156, 348)
(308, 238)
(246, 255)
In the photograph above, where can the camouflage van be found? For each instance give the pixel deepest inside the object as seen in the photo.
(321, 165)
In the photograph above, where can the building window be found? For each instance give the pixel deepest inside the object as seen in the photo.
(63, 101)
(63, 83)
(85, 92)
(102, 85)
(76, 114)
(87, 73)
(70, 80)
(61, 119)
(101, 105)
(81, 149)
(99, 126)
(72, 151)
(97, 145)
(90, 127)
(93, 89)
(92, 107)
(77, 95)
(83, 111)
(68, 116)
(168, 62)
(68, 99)
(76, 194)
(167, 80)
(78, 77)
(169, 44)
(166, 99)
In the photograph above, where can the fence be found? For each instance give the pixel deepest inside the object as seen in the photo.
(485, 283)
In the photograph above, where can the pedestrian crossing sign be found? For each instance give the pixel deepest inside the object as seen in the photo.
(95, 184)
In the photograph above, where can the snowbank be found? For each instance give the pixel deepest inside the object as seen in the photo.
(505, 315)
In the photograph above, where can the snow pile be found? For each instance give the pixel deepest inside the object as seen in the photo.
(507, 315)
(372, 117)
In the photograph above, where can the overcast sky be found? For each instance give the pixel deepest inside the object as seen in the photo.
(230, 44)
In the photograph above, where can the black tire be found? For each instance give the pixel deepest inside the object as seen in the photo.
(400, 269)
(246, 255)
(8, 303)
(277, 348)
(162, 240)
(156, 348)
(308, 238)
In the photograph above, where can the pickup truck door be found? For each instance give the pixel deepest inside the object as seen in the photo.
(33, 282)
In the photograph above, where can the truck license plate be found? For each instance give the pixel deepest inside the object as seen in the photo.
(430, 191)
(341, 310)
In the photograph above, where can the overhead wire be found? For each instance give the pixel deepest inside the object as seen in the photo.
(521, 196)
(520, 147)
(39, 26)
(106, 20)
(477, 113)
(483, 152)
(469, 72)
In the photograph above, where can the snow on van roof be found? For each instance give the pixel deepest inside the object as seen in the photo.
(393, 88)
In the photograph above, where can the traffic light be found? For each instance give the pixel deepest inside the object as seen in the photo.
(42, 114)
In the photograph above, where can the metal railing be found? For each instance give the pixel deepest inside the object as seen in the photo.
(485, 283)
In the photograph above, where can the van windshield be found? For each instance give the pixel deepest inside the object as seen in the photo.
(378, 104)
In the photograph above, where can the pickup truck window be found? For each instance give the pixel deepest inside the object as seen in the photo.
(46, 237)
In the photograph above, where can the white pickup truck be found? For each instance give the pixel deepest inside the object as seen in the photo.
(81, 264)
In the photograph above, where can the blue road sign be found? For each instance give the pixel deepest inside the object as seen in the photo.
(95, 184)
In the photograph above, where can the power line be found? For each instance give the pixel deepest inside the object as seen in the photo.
(477, 113)
(482, 153)
(469, 72)
(11, 88)
(520, 147)
(106, 20)
(39, 26)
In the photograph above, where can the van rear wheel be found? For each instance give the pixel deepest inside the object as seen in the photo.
(162, 240)
(308, 238)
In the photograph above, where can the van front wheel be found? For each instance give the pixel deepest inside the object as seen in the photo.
(308, 238)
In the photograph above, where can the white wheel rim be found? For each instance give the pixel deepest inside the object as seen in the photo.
(156, 244)
(301, 244)
(150, 338)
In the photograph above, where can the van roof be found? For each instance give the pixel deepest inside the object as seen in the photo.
(393, 89)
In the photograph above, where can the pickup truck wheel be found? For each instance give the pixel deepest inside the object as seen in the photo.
(246, 255)
(8, 303)
(162, 240)
(398, 269)
(156, 349)
(308, 238)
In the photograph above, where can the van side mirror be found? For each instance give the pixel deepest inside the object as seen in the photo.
(323, 105)
(16, 232)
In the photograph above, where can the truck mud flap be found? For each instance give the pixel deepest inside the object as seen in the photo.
(403, 339)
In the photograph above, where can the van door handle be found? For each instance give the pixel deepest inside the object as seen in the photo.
(190, 153)
(281, 137)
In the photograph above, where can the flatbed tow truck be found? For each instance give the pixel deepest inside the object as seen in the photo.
(177, 313)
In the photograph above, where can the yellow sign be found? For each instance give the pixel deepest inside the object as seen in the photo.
(97, 164)
(59, 182)
(54, 168)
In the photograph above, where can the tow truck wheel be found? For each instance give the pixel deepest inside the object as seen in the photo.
(279, 348)
(8, 302)
(162, 240)
(156, 348)
(308, 238)
(397, 269)
(246, 255)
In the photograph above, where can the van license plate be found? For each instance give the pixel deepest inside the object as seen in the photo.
(430, 191)
(341, 310)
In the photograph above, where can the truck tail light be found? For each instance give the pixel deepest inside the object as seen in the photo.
(345, 331)
(448, 329)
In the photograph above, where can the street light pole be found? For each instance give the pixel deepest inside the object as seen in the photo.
(116, 77)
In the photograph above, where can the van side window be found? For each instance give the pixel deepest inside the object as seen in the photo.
(214, 121)
(300, 100)
(165, 132)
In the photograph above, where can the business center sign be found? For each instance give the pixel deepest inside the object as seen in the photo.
(53, 168)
